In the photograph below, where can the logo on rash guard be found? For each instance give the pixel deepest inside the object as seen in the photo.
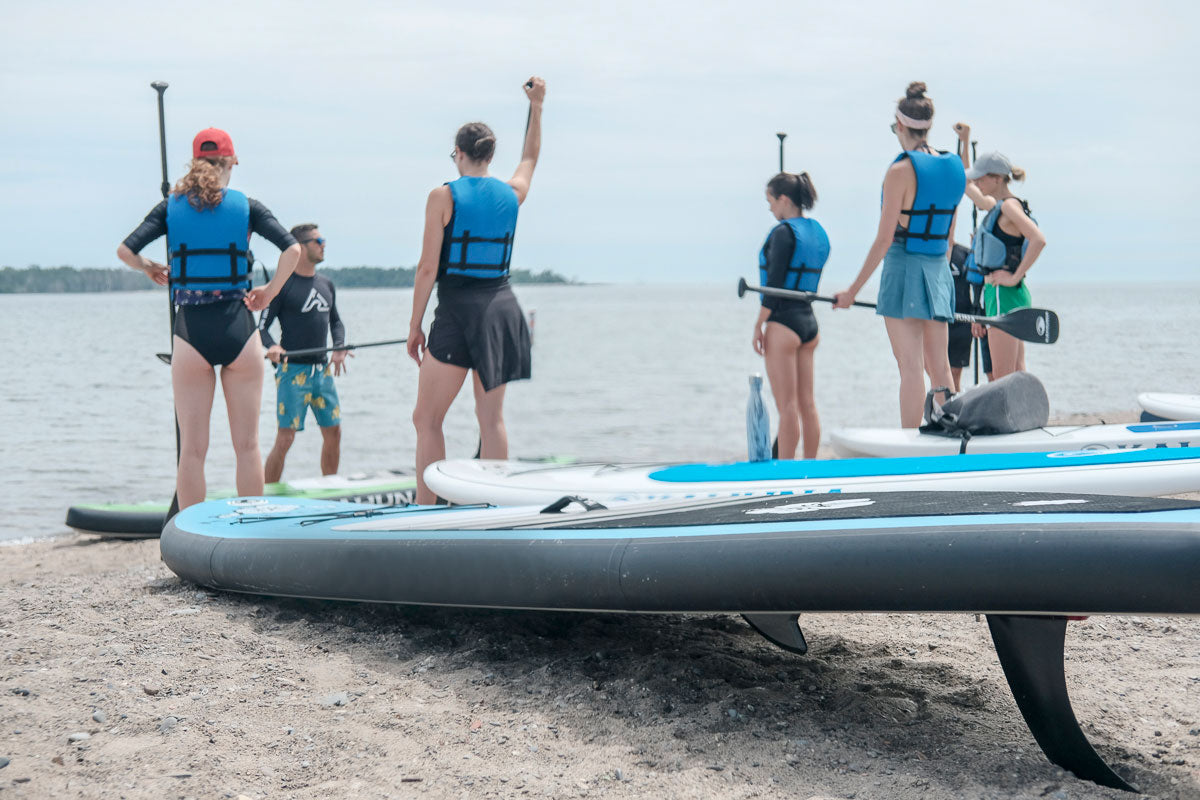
(315, 302)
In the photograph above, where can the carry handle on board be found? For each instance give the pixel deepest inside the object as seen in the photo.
(1027, 324)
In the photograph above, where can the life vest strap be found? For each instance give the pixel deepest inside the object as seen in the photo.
(235, 275)
(464, 243)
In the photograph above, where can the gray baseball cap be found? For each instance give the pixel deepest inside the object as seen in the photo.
(990, 164)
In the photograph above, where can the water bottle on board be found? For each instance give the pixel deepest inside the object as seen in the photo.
(758, 425)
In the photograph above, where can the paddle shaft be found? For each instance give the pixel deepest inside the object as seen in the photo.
(311, 351)
(160, 87)
(1020, 323)
(314, 351)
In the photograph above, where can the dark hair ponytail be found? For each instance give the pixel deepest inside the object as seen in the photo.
(797, 187)
(476, 141)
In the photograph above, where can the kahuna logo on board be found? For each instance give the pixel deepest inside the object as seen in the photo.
(808, 508)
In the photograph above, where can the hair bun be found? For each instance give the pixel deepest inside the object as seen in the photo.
(916, 90)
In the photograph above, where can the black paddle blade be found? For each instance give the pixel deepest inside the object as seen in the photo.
(1030, 325)
(741, 287)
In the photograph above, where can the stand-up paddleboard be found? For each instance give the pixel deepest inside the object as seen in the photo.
(1164, 405)
(901, 442)
(1026, 560)
(1137, 472)
(145, 520)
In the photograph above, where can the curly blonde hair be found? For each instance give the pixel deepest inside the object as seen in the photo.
(202, 184)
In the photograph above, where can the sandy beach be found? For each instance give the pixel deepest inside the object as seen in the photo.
(120, 680)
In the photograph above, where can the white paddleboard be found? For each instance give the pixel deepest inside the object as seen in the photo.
(1171, 406)
(903, 442)
(1137, 472)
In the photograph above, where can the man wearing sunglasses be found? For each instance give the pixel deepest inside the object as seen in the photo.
(307, 314)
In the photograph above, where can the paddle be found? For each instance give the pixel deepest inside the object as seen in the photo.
(160, 87)
(781, 136)
(311, 351)
(1027, 324)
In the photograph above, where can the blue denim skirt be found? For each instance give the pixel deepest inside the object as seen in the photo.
(915, 286)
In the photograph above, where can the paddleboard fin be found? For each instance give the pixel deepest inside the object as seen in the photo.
(1031, 653)
(782, 630)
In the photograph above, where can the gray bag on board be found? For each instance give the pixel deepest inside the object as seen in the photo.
(1011, 404)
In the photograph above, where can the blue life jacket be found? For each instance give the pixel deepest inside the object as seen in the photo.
(209, 249)
(941, 181)
(993, 253)
(808, 257)
(478, 240)
(973, 274)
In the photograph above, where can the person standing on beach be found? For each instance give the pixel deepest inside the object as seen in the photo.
(208, 227)
(921, 192)
(785, 333)
(478, 326)
(960, 333)
(306, 308)
(1006, 246)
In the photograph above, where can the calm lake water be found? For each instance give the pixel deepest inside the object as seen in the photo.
(620, 372)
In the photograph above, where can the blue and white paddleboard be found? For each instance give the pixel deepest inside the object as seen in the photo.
(903, 442)
(1135, 472)
(921, 551)
(1165, 405)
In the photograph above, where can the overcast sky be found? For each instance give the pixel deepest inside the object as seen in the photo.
(660, 122)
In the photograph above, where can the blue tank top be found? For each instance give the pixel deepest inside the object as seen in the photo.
(478, 240)
(209, 247)
(808, 257)
(941, 181)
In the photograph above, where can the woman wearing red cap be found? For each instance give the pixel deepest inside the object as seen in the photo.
(208, 229)
(478, 326)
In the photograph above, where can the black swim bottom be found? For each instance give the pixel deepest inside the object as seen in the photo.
(217, 330)
(799, 318)
(482, 329)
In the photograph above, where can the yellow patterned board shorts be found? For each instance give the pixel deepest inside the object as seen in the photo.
(299, 387)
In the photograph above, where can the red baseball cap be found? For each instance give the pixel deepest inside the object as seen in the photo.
(211, 143)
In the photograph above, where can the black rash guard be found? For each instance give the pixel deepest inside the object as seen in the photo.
(307, 312)
(262, 222)
(780, 246)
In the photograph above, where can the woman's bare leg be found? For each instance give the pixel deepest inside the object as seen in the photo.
(489, 411)
(1006, 353)
(908, 349)
(193, 382)
(437, 386)
(805, 401)
(780, 358)
(936, 339)
(242, 382)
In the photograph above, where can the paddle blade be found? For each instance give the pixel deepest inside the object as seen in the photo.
(1029, 324)
(741, 287)
(164, 357)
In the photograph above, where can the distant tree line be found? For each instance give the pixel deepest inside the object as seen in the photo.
(91, 279)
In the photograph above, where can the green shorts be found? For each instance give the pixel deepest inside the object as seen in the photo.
(999, 300)
(299, 387)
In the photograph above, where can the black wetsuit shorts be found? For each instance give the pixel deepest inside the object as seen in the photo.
(218, 330)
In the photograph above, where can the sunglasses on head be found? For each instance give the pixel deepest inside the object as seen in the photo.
(319, 240)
